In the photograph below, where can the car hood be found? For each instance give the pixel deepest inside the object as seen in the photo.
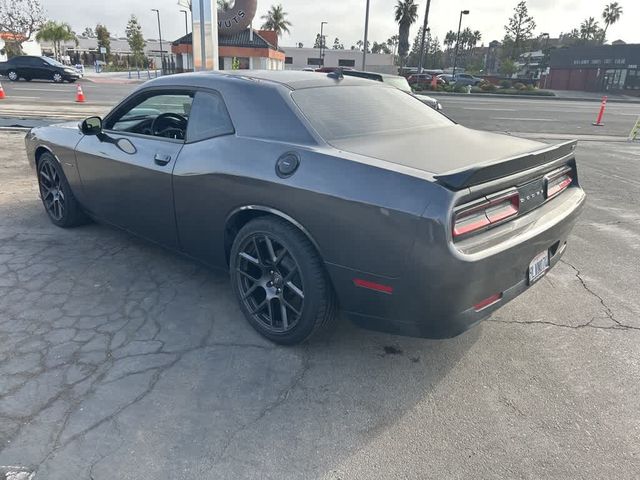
(438, 150)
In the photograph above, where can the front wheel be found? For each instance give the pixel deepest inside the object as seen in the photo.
(57, 78)
(280, 282)
(58, 199)
(13, 75)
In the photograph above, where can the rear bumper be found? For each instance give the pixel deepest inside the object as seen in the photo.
(436, 297)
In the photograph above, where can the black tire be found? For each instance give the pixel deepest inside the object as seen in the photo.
(71, 80)
(57, 198)
(317, 310)
(13, 75)
(27, 79)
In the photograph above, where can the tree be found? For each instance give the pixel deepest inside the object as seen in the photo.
(19, 19)
(318, 43)
(56, 33)
(611, 14)
(380, 48)
(508, 68)
(337, 45)
(135, 39)
(300, 44)
(275, 20)
(589, 30)
(406, 13)
(392, 43)
(520, 28)
(103, 36)
(225, 5)
(88, 32)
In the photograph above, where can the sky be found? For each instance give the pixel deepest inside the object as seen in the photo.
(346, 17)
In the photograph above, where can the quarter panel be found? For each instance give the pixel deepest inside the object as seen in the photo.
(360, 216)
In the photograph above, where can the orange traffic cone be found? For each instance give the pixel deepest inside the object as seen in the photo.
(79, 94)
(2, 95)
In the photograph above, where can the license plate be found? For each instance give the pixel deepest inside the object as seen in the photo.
(538, 266)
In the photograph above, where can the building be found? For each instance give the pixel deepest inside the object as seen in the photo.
(298, 58)
(606, 68)
(257, 49)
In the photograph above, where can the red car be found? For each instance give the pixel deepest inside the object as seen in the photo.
(423, 79)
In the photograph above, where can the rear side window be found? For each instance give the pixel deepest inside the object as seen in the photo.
(209, 117)
(341, 112)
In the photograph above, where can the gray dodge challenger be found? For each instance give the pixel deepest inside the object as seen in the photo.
(318, 191)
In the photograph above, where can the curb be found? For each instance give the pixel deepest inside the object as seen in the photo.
(534, 97)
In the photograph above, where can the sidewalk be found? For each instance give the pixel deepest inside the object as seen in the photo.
(90, 75)
(566, 95)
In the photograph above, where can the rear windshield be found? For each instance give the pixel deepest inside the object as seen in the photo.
(363, 111)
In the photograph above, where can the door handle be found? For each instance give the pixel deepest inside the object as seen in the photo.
(162, 158)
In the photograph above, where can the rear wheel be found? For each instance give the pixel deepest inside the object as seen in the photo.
(280, 281)
(13, 75)
(58, 200)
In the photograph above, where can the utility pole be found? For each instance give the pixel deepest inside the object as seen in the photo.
(424, 31)
(366, 34)
(455, 59)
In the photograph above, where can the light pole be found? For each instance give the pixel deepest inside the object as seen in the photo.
(366, 34)
(455, 58)
(186, 32)
(160, 35)
(424, 30)
(322, 24)
(545, 59)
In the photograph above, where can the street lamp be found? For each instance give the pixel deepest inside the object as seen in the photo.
(186, 24)
(455, 58)
(366, 34)
(160, 35)
(186, 32)
(322, 24)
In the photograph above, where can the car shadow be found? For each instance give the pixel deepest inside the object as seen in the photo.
(133, 362)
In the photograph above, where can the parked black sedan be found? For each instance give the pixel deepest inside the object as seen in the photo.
(317, 191)
(40, 68)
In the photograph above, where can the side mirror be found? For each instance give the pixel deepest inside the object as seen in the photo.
(91, 126)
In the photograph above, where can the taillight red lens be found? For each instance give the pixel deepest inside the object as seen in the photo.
(492, 210)
(558, 181)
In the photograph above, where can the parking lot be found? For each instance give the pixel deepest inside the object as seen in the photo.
(121, 360)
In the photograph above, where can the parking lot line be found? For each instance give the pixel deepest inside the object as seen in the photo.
(526, 119)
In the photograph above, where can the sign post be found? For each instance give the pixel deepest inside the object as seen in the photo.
(205, 35)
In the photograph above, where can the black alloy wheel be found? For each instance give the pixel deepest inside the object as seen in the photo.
(51, 191)
(58, 199)
(270, 283)
(280, 281)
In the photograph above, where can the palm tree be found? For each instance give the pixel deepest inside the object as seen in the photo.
(275, 20)
(56, 33)
(225, 5)
(406, 13)
(589, 29)
(392, 42)
(611, 14)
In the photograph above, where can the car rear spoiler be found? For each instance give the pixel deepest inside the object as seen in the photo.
(494, 169)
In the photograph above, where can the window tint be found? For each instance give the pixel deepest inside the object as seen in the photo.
(209, 117)
(139, 117)
(364, 111)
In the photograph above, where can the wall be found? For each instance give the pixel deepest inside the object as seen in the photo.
(376, 62)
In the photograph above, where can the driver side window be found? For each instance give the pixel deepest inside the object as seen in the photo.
(158, 114)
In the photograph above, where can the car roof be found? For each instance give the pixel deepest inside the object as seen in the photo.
(291, 79)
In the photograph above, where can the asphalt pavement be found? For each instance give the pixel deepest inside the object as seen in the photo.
(119, 359)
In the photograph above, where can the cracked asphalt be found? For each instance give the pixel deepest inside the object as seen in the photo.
(121, 360)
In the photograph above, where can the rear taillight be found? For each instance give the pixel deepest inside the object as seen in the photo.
(557, 181)
(489, 211)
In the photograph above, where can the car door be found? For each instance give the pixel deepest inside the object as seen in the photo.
(36, 68)
(126, 170)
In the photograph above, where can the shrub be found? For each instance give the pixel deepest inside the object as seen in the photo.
(476, 90)
(506, 83)
(488, 87)
(519, 86)
(460, 89)
(530, 87)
